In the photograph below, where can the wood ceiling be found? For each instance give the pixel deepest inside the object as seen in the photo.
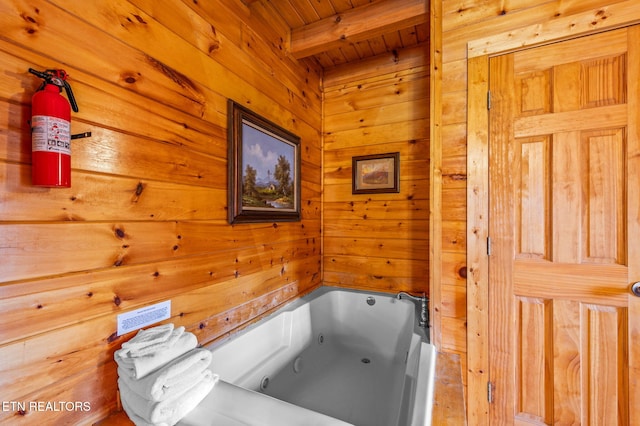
(335, 32)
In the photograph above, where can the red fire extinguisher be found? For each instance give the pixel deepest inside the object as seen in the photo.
(50, 130)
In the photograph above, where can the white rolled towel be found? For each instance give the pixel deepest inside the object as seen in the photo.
(152, 340)
(167, 412)
(139, 367)
(172, 379)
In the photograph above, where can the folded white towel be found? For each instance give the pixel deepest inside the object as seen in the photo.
(167, 412)
(139, 367)
(173, 378)
(149, 341)
(151, 335)
(136, 419)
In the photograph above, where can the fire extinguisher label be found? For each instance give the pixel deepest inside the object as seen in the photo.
(50, 134)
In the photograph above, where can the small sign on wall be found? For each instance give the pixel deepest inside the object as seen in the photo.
(133, 320)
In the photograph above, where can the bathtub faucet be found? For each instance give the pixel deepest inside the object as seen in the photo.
(424, 306)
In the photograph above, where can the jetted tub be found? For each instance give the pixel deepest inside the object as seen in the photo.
(333, 357)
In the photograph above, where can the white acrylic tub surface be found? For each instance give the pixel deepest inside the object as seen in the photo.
(329, 358)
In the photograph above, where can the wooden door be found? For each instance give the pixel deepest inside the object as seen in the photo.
(564, 228)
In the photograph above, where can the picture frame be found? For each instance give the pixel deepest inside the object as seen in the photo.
(377, 173)
(263, 169)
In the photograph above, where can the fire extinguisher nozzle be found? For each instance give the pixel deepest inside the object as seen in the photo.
(38, 73)
(72, 99)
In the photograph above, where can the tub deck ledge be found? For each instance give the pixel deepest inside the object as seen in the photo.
(448, 408)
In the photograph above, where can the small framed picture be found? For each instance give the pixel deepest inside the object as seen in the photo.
(376, 173)
(264, 169)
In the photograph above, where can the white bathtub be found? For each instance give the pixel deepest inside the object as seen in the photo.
(333, 357)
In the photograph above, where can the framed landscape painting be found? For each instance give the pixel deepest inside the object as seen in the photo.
(377, 173)
(264, 169)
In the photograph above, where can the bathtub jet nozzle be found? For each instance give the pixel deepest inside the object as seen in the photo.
(424, 306)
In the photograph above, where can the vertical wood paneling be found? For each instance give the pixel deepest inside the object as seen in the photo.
(470, 29)
(604, 335)
(633, 205)
(533, 208)
(534, 94)
(476, 258)
(377, 241)
(533, 319)
(566, 186)
(604, 150)
(604, 82)
(145, 218)
(567, 363)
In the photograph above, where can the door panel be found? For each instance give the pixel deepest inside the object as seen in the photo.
(563, 225)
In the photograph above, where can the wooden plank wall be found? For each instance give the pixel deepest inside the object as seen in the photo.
(377, 241)
(145, 218)
(461, 23)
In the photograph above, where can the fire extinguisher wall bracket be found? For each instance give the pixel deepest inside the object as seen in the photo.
(50, 130)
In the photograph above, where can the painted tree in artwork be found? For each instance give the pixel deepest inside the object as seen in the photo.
(249, 181)
(282, 175)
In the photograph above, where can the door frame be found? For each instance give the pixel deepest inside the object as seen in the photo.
(479, 52)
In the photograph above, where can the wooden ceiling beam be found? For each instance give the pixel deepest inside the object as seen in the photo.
(358, 24)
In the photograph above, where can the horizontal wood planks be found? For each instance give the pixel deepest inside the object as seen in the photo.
(145, 218)
(377, 241)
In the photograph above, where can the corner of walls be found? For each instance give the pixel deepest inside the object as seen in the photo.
(377, 242)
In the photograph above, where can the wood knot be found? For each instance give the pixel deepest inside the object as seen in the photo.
(462, 272)
(139, 19)
(130, 77)
(28, 18)
(139, 189)
(213, 47)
